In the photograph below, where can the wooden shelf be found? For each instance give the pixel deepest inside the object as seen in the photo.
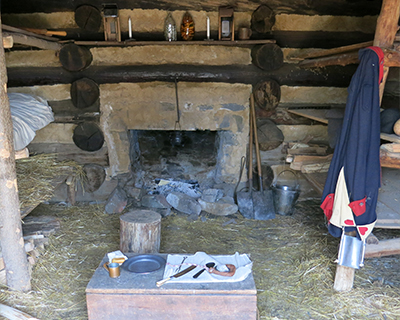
(319, 115)
(129, 43)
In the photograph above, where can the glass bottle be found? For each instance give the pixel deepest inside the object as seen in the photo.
(187, 27)
(170, 32)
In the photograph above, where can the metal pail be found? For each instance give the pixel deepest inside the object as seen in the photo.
(285, 196)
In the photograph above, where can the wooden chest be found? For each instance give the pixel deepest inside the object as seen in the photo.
(136, 296)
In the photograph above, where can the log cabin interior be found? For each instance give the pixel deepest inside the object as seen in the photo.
(160, 109)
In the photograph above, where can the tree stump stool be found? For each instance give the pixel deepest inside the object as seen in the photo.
(140, 231)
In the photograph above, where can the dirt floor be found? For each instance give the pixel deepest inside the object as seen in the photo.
(293, 263)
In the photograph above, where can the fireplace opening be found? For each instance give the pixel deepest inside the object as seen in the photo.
(170, 154)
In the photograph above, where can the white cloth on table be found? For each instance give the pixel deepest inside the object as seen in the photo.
(174, 264)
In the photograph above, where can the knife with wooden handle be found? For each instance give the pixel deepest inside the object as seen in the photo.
(177, 275)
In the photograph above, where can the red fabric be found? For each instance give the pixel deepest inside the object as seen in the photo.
(327, 205)
(358, 206)
(362, 230)
(349, 222)
(381, 57)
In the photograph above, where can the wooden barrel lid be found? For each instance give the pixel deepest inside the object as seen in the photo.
(84, 93)
(74, 57)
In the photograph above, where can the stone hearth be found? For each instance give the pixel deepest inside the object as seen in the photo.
(217, 107)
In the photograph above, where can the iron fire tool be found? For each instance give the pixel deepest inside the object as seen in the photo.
(177, 275)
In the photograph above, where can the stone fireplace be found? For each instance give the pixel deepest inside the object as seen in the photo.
(219, 107)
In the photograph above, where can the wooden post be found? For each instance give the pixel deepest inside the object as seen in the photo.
(140, 231)
(385, 32)
(12, 242)
(386, 29)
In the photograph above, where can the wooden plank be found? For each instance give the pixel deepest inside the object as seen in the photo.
(237, 43)
(27, 33)
(179, 307)
(314, 114)
(384, 248)
(14, 314)
(300, 160)
(392, 59)
(390, 137)
(328, 52)
(319, 115)
(338, 60)
(33, 41)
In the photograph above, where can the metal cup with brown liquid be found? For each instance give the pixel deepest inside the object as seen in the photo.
(113, 269)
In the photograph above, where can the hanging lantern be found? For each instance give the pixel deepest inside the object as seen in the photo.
(170, 32)
(187, 27)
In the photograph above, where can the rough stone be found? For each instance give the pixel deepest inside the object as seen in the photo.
(184, 203)
(117, 201)
(155, 201)
(133, 192)
(212, 195)
(225, 206)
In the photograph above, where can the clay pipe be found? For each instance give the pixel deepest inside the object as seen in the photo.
(230, 273)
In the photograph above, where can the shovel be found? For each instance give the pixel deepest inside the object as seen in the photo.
(255, 204)
(263, 201)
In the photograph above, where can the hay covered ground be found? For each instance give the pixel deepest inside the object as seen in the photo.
(293, 263)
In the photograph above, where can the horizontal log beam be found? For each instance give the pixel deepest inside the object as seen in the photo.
(289, 74)
(326, 7)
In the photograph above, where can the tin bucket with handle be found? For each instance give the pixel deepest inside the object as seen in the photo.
(285, 196)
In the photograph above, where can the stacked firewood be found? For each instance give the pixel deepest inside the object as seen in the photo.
(36, 232)
(308, 158)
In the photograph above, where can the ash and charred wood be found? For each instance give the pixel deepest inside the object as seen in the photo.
(289, 74)
(327, 7)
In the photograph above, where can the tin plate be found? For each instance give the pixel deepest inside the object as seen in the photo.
(143, 263)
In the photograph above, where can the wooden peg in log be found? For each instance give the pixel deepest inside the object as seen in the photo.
(267, 94)
(262, 19)
(267, 57)
(75, 58)
(140, 231)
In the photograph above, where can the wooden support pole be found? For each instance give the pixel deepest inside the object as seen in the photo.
(386, 29)
(11, 240)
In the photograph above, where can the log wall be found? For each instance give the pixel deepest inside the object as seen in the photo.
(311, 87)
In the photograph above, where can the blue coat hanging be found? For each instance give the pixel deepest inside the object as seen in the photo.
(351, 189)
